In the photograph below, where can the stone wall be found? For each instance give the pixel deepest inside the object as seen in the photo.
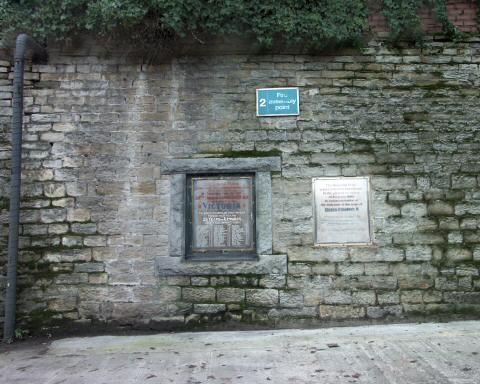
(95, 206)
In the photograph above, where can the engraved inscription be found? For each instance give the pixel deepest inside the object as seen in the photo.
(341, 208)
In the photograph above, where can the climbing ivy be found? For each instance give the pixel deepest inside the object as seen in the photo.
(440, 12)
(404, 20)
(307, 22)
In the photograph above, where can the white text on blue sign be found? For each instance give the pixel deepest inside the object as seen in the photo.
(278, 102)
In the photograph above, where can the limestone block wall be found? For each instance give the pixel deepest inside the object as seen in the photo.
(95, 206)
(5, 118)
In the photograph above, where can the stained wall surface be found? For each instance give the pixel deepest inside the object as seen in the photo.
(96, 204)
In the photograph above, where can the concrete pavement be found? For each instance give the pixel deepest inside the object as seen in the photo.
(406, 353)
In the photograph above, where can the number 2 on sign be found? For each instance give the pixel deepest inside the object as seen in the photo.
(263, 102)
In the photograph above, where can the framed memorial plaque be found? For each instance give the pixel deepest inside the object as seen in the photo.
(341, 208)
(220, 215)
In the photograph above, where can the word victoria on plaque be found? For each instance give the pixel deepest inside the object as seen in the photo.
(222, 213)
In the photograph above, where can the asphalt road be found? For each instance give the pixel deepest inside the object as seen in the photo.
(407, 353)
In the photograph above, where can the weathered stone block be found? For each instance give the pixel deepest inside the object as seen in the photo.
(414, 209)
(209, 308)
(67, 202)
(381, 210)
(351, 269)
(305, 312)
(273, 281)
(411, 297)
(52, 215)
(61, 267)
(84, 228)
(169, 166)
(155, 294)
(68, 255)
(341, 312)
(219, 281)
(469, 223)
(323, 269)
(198, 295)
(375, 312)
(462, 297)
(446, 283)
(72, 278)
(89, 267)
(363, 298)
(199, 281)
(54, 190)
(338, 297)
(34, 229)
(372, 269)
(432, 297)
(318, 254)
(457, 238)
(418, 238)
(439, 308)
(449, 223)
(244, 281)
(178, 280)
(78, 214)
(388, 298)
(95, 241)
(68, 303)
(418, 253)
(231, 295)
(440, 208)
(369, 282)
(467, 209)
(465, 283)
(76, 188)
(378, 312)
(291, 299)
(464, 237)
(389, 183)
(459, 254)
(262, 297)
(52, 136)
(373, 254)
(57, 229)
(463, 181)
(397, 197)
(476, 253)
(98, 278)
(266, 264)
(299, 269)
(72, 241)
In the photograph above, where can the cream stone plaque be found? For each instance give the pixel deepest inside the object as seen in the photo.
(341, 210)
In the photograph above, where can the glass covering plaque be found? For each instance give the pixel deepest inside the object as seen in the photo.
(222, 214)
(341, 210)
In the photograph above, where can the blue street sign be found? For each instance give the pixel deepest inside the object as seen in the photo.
(278, 102)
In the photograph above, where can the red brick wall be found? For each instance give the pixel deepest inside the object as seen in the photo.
(462, 13)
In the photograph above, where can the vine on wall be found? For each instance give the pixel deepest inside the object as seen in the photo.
(404, 21)
(312, 22)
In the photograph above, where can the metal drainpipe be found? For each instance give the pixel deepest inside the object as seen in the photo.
(23, 43)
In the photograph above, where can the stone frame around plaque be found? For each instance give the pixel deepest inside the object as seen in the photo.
(368, 208)
(180, 169)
